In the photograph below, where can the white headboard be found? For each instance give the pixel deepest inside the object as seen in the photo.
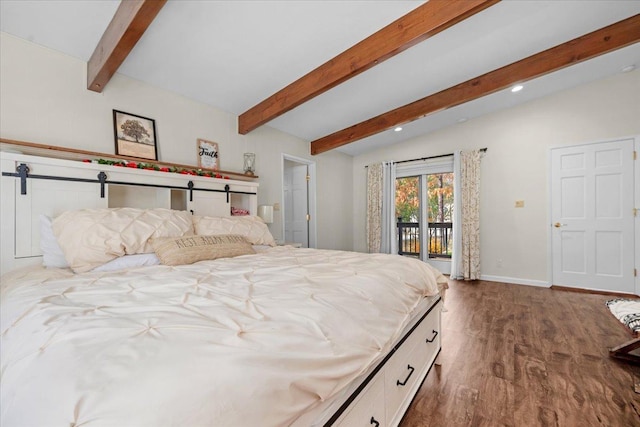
(49, 186)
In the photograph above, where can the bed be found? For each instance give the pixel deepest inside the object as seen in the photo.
(627, 312)
(274, 336)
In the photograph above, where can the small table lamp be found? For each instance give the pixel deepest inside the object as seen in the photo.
(266, 213)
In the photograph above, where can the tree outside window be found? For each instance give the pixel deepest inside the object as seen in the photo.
(408, 198)
(439, 210)
(439, 192)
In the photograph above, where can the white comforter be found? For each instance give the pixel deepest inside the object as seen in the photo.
(255, 340)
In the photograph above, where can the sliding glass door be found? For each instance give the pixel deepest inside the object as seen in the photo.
(408, 216)
(424, 212)
(440, 220)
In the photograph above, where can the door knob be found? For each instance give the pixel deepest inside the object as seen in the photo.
(558, 225)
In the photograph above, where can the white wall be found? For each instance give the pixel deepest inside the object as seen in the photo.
(43, 99)
(516, 167)
(335, 194)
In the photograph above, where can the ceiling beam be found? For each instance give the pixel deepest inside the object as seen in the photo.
(130, 21)
(418, 25)
(605, 40)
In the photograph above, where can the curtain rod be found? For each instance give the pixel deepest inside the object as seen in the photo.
(484, 150)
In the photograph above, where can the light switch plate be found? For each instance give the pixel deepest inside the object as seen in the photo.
(519, 203)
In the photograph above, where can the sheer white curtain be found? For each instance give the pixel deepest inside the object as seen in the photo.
(465, 260)
(456, 252)
(389, 242)
(381, 208)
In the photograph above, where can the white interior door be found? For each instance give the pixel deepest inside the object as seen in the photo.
(296, 203)
(592, 198)
(288, 202)
(299, 191)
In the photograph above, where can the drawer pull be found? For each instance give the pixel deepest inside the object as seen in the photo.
(411, 369)
(435, 334)
(374, 422)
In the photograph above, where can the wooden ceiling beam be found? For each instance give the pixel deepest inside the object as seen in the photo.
(599, 42)
(130, 21)
(419, 24)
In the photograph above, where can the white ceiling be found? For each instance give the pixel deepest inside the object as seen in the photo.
(233, 54)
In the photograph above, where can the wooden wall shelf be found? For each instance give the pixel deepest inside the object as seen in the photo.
(54, 151)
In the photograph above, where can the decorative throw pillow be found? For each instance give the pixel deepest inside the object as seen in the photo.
(251, 227)
(92, 237)
(190, 249)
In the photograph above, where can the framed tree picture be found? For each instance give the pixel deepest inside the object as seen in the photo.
(208, 155)
(135, 136)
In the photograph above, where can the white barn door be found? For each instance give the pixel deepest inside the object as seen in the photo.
(592, 216)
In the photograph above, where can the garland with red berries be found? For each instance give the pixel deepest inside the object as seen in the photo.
(154, 167)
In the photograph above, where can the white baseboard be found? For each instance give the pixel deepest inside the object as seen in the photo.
(516, 281)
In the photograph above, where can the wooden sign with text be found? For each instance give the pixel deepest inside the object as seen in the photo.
(208, 155)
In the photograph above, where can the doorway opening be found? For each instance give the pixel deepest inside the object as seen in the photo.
(299, 201)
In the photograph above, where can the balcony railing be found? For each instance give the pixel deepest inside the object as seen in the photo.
(408, 238)
(439, 238)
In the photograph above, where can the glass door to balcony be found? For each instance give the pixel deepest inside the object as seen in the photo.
(425, 202)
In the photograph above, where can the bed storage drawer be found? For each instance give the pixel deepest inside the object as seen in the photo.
(369, 408)
(392, 385)
(401, 373)
(407, 367)
(429, 331)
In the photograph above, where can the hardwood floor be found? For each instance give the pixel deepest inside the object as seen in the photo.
(517, 355)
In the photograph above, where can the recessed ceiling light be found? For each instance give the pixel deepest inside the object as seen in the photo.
(517, 88)
(628, 68)
(462, 119)
(398, 129)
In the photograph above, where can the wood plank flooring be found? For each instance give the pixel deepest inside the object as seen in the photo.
(516, 355)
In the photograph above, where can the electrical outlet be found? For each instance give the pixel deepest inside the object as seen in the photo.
(499, 263)
(519, 203)
(276, 206)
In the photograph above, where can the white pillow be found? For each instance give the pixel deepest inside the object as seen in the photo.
(92, 237)
(128, 261)
(252, 228)
(52, 255)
